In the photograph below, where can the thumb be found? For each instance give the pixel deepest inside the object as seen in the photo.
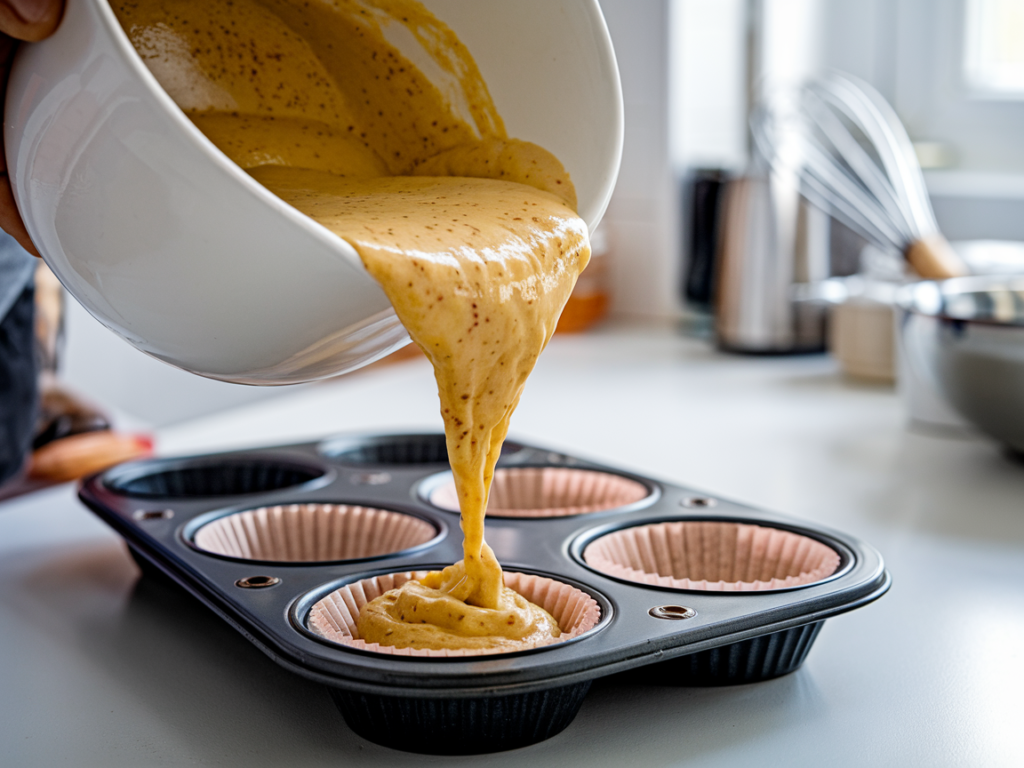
(30, 20)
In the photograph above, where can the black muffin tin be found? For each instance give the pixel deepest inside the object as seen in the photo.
(469, 704)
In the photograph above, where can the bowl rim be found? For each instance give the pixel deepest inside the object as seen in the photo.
(927, 298)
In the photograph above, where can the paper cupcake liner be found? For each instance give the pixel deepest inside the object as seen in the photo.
(549, 492)
(305, 533)
(227, 477)
(334, 617)
(713, 556)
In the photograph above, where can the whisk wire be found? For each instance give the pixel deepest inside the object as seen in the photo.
(877, 189)
(873, 115)
(825, 182)
(843, 192)
(864, 168)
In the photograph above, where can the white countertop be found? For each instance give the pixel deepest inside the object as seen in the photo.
(100, 669)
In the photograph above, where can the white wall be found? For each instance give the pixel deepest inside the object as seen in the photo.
(642, 217)
(792, 45)
(708, 84)
(912, 52)
(682, 64)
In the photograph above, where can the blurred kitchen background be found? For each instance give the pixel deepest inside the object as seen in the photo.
(953, 70)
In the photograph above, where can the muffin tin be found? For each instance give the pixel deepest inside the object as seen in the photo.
(214, 525)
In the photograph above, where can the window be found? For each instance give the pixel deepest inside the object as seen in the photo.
(994, 47)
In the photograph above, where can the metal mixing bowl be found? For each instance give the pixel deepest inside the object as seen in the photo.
(966, 336)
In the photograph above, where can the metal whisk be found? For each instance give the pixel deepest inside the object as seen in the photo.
(854, 159)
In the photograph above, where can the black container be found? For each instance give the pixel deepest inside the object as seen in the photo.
(702, 204)
(474, 704)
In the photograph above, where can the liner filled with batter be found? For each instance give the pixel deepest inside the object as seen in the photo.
(336, 616)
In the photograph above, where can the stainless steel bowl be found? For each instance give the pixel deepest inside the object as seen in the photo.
(966, 336)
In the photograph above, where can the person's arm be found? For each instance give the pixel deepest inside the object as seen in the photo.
(27, 20)
(18, 381)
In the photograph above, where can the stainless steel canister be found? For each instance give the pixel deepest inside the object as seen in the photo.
(773, 249)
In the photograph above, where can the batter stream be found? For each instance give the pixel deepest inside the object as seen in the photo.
(472, 235)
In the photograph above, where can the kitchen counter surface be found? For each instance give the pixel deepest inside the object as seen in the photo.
(103, 669)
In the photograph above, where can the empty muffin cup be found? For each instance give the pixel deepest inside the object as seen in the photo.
(184, 479)
(309, 533)
(335, 616)
(712, 556)
(549, 492)
(396, 450)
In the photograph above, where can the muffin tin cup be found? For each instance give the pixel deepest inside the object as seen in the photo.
(461, 726)
(335, 616)
(717, 556)
(748, 661)
(397, 450)
(467, 724)
(686, 634)
(213, 477)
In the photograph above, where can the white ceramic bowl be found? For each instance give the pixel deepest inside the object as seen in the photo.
(176, 249)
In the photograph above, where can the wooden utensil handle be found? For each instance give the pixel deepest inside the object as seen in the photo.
(933, 258)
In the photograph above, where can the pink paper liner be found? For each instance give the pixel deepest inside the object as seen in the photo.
(334, 617)
(713, 556)
(303, 533)
(549, 492)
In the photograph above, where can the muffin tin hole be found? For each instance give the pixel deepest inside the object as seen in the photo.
(198, 479)
(548, 492)
(698, 502)
(258, 582)
(712, 556)
(334, 616)
(672, 612)
(369, 478)
(312, 533)
(395, 450)
(153, 514)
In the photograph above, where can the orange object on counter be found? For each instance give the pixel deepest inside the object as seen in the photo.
(588, 302)
(581, 312)
(79, 455)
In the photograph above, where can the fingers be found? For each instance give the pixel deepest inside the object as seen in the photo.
(30, 20)
(10, 219)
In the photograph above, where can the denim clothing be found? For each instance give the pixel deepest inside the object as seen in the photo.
(18, 391)
(17, 266)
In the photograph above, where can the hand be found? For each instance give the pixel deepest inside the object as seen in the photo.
(28, 20)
